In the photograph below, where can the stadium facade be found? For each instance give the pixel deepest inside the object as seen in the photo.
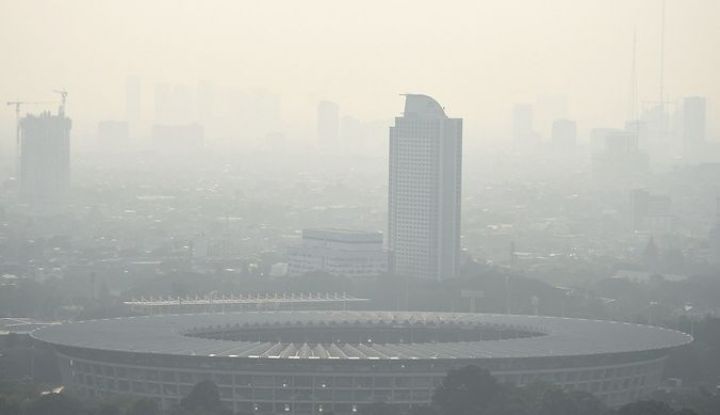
(310, 362)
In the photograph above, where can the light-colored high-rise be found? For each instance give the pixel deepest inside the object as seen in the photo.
(328, 123)
(424, 191)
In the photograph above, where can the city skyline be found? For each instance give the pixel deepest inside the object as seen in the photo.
(476, 46)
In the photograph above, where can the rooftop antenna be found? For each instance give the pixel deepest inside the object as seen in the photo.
(63, 97)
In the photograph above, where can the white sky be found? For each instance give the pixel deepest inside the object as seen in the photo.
(476, 57)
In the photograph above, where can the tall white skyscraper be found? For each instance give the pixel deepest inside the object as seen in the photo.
(424, 191)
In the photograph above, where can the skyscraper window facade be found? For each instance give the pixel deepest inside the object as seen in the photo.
(424, 191)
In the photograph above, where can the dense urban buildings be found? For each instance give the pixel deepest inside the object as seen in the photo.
(178, 136)
(45, 157)
(307, 362)
(338, 251)
(424, 191)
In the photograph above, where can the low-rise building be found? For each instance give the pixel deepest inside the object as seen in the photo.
(338, 251)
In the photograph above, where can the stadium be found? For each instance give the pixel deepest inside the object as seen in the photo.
(309, 362)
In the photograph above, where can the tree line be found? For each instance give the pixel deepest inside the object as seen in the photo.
(469, 390)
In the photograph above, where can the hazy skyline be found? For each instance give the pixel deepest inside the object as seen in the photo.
(477, 57)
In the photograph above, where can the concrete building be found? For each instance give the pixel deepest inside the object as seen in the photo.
(620, 156)
(522, 124)
(310, 362)
(328, 124)
(424, 191)
(651, 212)
(564, 134)
(338, 251)
(694, 127)
(45, 158)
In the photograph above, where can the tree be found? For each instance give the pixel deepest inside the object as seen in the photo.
(144, 406)
(422, 410)
(379, 408)
(9, 406)
(469, 390)
(557, 402)
(204, 398)
(54, 404)
(646, 408)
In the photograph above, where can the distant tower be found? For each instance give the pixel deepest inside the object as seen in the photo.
(45, 157)
(424, 191)
(564, 134)
(522, 123)
(328, 123)
(693, 125)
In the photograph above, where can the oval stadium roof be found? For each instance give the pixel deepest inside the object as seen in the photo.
(167, 334)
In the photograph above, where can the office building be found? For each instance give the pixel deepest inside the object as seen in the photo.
(619, 157)
(693, 134)
(424, 191)
(564, 134)
(338, 251)
(328, 123)
(694, 119)
(45, 158)
(522, 124)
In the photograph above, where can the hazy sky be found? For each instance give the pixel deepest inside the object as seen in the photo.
(476, 57)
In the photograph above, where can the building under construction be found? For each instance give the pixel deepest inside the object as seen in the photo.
(44, 157)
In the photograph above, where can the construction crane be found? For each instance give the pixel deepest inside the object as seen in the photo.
(63, 96)
(17, 105)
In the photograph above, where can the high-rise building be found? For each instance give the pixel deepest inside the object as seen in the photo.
(522, 123)
(564, 134)
(694, 119)
(328, 123)
(45, 158)
(338, 251)
(693, 131)
(424, 191)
